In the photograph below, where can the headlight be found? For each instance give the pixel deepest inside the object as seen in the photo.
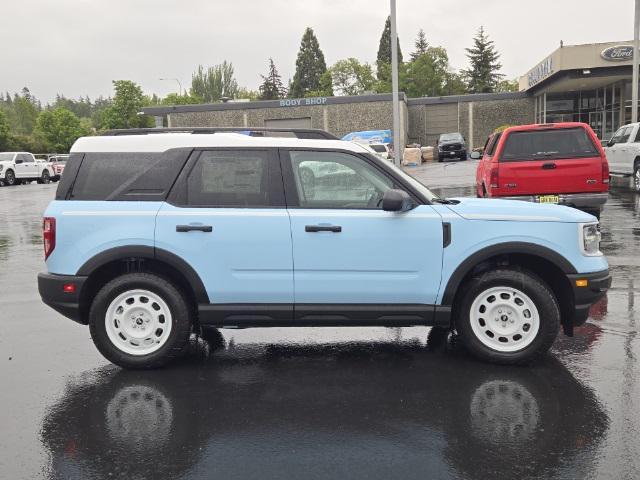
(590, 239)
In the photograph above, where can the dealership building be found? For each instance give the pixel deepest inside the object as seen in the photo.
(587, 83)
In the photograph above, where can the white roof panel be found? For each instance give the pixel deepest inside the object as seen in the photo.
(160, 142)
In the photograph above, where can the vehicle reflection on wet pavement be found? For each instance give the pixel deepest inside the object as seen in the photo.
(317, 403)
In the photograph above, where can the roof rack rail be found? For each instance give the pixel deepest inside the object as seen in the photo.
(306, 133)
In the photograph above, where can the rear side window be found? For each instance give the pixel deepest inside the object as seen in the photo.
(548, 144)
(492, 144)
(135, 176)
(233, 178)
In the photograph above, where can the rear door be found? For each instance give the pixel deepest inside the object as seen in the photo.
(549, 161)
(226, 217)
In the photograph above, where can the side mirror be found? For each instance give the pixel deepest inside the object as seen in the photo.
(610, 143)
(18, 160)
(475, 155)
(396, 201)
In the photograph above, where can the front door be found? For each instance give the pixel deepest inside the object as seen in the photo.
(346, 249)
(617, 151)
(25, 166)
(226, 217)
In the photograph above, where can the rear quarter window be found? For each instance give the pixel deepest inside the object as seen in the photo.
(556, 144)
(135, 176)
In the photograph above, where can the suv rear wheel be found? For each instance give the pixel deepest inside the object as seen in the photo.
(140, 320)
(507, 316)
(636, 177)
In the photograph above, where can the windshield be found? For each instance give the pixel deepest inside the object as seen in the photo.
(6, 157)
(428, 194)
(448, 137)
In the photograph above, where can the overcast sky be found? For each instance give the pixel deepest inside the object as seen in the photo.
(76, 47)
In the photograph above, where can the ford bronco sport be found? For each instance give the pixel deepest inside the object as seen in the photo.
(152, 237)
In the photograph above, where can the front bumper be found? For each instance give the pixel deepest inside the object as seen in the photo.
(578, 200)
(50, 286)
(452, 153)
(597, 285)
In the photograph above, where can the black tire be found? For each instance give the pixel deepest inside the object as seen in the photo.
(529, 284)
(180, 314)
(45, 177)
(10, 178)
(636, 178)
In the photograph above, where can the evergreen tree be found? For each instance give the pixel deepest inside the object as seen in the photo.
(272, 87)
(483, 76)
(4, 131)
(310, 66)
(421, 45)
(384, 50)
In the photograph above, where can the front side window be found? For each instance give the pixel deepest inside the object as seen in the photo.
(230, 179)
(621, 136)
(548, 144)
(337, 180)
(25, 158)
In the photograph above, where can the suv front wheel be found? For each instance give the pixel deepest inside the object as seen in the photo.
(507, 316)
(140, 320)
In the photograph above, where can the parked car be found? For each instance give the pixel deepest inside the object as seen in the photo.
(57, 166)
(220, 231)
(450, 146)
(381, 149)
(561, 163)
(623, 153)
(19, 167)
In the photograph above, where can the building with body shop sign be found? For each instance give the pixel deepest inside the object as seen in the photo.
(588, 83)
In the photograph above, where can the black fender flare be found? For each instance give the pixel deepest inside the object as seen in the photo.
(144, 251)
(501, 249)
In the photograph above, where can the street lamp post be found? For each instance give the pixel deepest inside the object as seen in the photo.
(634, 80)
(179, 84)
(397, 154)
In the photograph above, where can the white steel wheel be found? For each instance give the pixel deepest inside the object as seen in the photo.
(138, 322)
(636, 179)
(504, 319)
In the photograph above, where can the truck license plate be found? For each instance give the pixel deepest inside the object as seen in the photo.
(548, 199)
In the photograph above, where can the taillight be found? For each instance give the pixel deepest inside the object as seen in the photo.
(48, 235)
(493, 181)
(605, 171)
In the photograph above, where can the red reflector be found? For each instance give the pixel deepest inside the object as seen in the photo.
(69, 288)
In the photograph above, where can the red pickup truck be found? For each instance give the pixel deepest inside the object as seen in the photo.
(560, 163)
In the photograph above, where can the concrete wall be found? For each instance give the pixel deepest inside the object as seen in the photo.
(422, 120)
(487, 116)
(338, 119)
(428, 121)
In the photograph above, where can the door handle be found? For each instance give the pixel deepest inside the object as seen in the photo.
(194, 228)
(548, 166)
(323, 228)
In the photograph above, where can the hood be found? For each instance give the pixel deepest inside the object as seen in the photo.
(449, 142)
(517, 211)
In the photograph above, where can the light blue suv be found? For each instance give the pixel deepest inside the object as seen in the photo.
(154, 236)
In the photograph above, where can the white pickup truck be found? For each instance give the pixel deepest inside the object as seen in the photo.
(623, 153)
(18, 167)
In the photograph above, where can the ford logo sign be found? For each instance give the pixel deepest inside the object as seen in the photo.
(619, 53)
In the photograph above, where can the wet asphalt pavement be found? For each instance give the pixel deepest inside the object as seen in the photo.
(317, 403)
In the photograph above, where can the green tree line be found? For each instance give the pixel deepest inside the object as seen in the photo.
(27, 125)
